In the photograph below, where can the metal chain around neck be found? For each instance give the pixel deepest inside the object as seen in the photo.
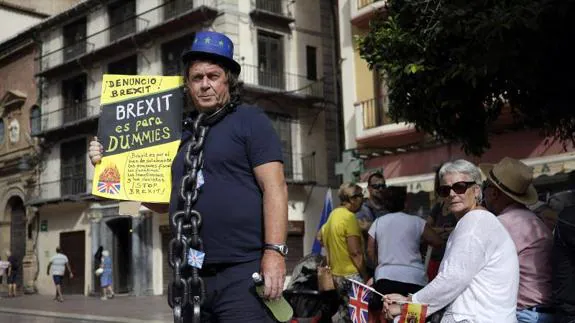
(187, 290)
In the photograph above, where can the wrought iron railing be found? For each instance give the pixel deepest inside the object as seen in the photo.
(274, 6)
(299, 167)
(123, 28)
(281, 81)
(173, 8)
(375, 112)
(69, 114)
(62, 187)
(74, 50)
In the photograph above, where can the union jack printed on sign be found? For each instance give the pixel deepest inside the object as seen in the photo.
(109, 188)
(358, 301)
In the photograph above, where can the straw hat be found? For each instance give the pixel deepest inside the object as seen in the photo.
(513, 178)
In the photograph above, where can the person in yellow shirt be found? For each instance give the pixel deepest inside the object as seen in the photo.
(342, 238)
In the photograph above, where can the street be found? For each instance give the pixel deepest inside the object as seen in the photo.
(84, 309)
(16, 318)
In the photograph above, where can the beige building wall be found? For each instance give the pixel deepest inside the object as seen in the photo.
(62, 218)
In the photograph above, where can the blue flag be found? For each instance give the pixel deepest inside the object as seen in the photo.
(327, 207)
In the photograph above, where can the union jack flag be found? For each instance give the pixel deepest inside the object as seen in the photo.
(196, 258)
(358, 301)
(109, 188)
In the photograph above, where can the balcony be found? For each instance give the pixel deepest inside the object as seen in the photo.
(375, 129)
(175, 7)
(75, 50)
(67, 189)
(280, 82)
(98, 48)
(364, 10)
(374, 112)
(67, 118)
(273, 13)
(299, 168)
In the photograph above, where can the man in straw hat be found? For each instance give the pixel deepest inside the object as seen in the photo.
(242, 195)
(508, 191)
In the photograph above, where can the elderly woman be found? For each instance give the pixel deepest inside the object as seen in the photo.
(106, 278)
(342, 239)
(479, 275)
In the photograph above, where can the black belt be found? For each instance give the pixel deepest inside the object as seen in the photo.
(542, 309)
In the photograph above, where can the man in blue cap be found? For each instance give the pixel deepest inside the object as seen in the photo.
(242, 190)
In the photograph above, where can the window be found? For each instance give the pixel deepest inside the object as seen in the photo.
(270, 60)
(74, 39)
(122, 19)
(173, 8)
(311, 62)
(282, 126)
(74, 97)
(73, 167)
(172, 53)
(35, 122)
(125, 66)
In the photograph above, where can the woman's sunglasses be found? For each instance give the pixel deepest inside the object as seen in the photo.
(458, 188)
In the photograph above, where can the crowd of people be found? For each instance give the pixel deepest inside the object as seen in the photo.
(492, 258)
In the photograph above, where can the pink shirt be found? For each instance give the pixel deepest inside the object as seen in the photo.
(533, 241)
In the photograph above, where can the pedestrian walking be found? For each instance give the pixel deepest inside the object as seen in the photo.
(106, 278)
(57, 268)
(242, 163)
(13, 272)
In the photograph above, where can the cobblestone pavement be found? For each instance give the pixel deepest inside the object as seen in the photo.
(80, 309)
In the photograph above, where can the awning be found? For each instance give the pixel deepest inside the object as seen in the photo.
(542, 166)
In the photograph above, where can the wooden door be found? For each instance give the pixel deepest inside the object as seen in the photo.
(73, 245)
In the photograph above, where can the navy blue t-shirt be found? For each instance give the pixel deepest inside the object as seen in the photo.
(230, 200)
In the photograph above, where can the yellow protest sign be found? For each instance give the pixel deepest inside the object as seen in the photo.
(140, 129)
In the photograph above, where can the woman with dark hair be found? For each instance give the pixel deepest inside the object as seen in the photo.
(393, 245)
(98, 257)
(97, 262)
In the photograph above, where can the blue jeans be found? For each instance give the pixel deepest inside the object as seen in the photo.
(530, 316)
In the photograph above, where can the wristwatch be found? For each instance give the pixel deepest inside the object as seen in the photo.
(282, 249)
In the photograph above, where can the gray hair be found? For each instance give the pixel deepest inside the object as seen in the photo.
(463, 166)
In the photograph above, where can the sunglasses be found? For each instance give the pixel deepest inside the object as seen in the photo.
(458, 188)
(378, 186)
(356, 195)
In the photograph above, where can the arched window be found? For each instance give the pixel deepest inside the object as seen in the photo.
(35, 125)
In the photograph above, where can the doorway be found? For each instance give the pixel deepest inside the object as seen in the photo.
(17, 232)
(121, 253)
(73, 245)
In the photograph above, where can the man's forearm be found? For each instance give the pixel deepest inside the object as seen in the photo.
(360, 265)
(275, 214)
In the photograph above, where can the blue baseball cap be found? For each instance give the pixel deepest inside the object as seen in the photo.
(215, 46)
